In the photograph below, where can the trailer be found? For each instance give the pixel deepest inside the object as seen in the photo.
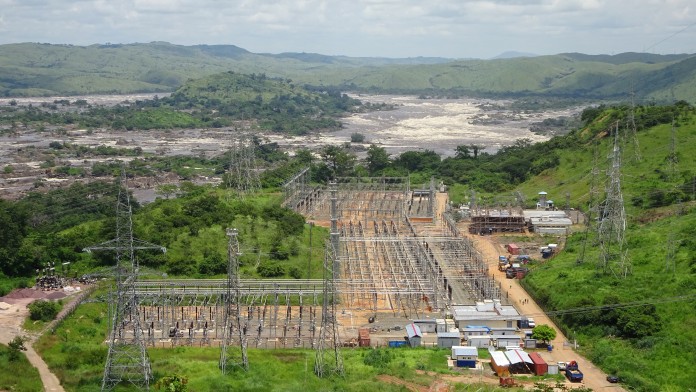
(573, 372)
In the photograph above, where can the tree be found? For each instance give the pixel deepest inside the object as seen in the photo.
(166, 190)
(43, 310)
(338, 159)
(544, 333)
(462, 152)
(377, 159)
(475, 148)
(15, 346)
(418, 160)
(174, 383)
(305, 156)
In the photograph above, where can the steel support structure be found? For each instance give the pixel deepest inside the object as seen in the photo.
(233, 312)
(328, 360)
(613, 256)
(242, 174)
(127, 359)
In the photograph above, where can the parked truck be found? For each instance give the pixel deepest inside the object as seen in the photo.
(573, 372)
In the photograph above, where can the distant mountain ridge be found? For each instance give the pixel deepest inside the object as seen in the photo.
(511, 54)
(43, 69)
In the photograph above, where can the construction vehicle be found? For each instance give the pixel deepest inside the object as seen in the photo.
(573, 372)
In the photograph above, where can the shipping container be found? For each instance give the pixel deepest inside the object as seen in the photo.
(539, 366)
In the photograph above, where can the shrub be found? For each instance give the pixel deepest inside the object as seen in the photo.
(270, 270)
(43, 310)
(378, 358)
(357, 137)
(15, 346)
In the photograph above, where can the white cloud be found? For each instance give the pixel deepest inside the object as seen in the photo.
(451, 28)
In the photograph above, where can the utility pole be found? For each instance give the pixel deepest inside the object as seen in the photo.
(127, 358)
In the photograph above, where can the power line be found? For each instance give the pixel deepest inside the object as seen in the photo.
(669, 37)
(655, 301)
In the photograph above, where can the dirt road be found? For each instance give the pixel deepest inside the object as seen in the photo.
(10, 326)
(593, 377)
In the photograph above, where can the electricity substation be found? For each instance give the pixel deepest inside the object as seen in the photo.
(394, 255)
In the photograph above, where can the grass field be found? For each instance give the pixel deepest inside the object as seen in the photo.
(76, 354)
(18, 375)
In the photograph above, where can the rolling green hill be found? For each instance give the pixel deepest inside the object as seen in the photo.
(645, 343)
(43, 69)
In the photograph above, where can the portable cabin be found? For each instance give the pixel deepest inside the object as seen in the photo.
(465, 356)
(426, 325)
(476, 331)
(440, 325)
(448, 339)
(489, 313)
(500, 363)
(552, 368)
(503, 331)
(479, 341)
(539, 366)
(506, 340)
(513, 249)
(530, 343)
(414, 335)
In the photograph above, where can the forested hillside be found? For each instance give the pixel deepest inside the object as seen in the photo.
(42, 69)
(639, 327)
(214, 101)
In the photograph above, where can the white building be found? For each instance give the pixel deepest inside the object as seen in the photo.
(489, 313)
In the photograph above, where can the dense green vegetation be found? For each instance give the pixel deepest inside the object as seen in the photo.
(42, 69)
(214, 101)
(278, 104)
(59, 224)
(645, 343)
(17, 373)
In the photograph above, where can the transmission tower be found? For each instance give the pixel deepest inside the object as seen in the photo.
(672, 157)
(328, 360)
(242, 174)
(612, 227)
(633, 137)
(670, 263)
(233, 311)
(127, 358)
(591, 207)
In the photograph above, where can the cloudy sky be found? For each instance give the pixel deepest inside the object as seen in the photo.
(387, 28)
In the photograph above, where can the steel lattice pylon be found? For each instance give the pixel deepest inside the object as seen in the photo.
(612, 226)
(328, 359)
(233, 315)
(127, 359)
(242, 174)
